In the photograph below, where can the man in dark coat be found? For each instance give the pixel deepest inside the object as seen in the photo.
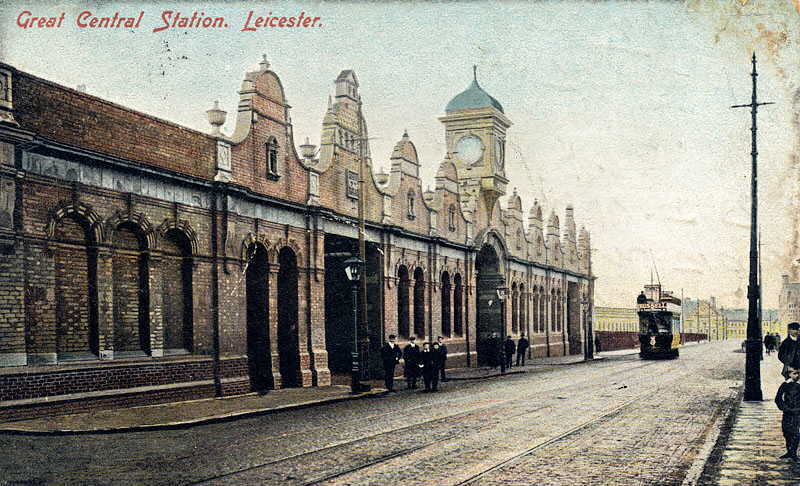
(492, 347)
(510, 347)
(390, 354)
(411, 362)
(522, 348)
(789, 352)
(430, 370)
(442, 356)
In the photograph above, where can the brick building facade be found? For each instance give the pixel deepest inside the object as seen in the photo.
(143, 261)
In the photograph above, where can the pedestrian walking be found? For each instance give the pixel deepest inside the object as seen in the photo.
(430, 372)
(788, 401)
(390, 355)
(442, 356)
(509, 348)
(522, 348)
(768, 345)
(411, 363)
(789, 352)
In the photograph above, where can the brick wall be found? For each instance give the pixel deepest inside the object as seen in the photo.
(112, 376)
(94, 124)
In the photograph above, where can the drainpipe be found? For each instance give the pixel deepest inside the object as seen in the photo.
(215, 291)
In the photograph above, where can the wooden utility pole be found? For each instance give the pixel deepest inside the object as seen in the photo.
(752, 381)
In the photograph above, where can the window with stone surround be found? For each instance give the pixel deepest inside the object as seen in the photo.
(411, 210)
(273, 169)
(451, 218)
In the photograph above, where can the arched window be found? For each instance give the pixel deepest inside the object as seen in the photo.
(445, 304)
(519, 239)
(451, 218)
(131, 291)
(176, 293)
(272, 158)
(458, 324)
(524, 325)
(514, 309)
(410, 201)
(76, 306)
(402, 301)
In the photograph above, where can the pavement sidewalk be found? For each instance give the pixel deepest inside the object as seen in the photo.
(185, 414)
(754, 443)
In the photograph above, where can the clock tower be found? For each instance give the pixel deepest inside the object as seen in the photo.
(475, 131)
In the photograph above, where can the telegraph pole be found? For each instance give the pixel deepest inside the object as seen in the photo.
(752, 381)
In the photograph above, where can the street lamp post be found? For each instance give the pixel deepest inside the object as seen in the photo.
(353, 267)
(588, 351)
(502, 292)
(752, 380)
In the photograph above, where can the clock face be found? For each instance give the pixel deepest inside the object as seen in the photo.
(469, 149)
(499, 153)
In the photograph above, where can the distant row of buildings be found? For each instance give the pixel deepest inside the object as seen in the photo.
(700, 316)
(705, 317)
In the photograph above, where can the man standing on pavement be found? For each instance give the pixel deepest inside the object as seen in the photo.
(510, 347)
(390, 354)
(788, 401)
(522, 348)
(411, 362)
(492, 347)
(789, 352)
(442, 355)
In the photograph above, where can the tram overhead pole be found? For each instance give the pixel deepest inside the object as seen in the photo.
(752, 381)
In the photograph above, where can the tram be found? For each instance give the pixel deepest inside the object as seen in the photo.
(659, 323)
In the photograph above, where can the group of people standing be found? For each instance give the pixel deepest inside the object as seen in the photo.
(509, 350)
(771, 342)
(788, 396)
(427, 362)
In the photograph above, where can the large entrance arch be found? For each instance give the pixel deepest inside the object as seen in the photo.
(489, 311)
(258, 354)
(288, 335)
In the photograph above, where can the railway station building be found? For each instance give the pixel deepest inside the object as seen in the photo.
(142, 261)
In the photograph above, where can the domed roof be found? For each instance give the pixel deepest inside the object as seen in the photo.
(473, 97)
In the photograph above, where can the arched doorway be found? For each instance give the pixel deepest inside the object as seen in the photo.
(260, 365)
(288, 336)
(445, 305)
(489, 312)
(419, 303)
(458, 307)
(403, 284)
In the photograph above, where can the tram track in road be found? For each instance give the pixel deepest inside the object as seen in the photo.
(504, 410)
(521, 456)
(410, 463)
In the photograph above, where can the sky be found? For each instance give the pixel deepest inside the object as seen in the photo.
(621, 109)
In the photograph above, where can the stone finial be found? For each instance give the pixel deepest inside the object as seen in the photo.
(216, 118)
(308, 149)
(264, 64)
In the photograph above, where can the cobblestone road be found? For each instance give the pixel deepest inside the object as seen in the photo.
(618, 421)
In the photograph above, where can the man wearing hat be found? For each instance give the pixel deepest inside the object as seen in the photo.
(789, 352)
